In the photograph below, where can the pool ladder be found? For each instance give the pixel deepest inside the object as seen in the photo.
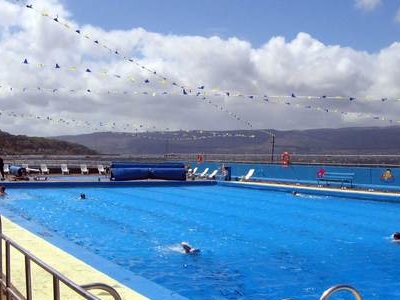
(337, 288)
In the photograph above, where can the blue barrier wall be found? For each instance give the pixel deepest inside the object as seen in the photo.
(371, 176)
(138, 171)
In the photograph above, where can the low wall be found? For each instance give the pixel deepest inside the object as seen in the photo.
(378, 176)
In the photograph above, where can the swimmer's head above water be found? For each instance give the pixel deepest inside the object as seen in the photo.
(189, 249)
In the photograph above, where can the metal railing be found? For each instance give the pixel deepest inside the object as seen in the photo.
(8, 289)
(336, 288)
(104, 287)
(92, 160)
(341, 287)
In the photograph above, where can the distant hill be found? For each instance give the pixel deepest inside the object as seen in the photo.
(355, 140)
(21, 144)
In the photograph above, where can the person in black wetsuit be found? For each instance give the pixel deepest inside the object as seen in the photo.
(2, 168)
(189, 249)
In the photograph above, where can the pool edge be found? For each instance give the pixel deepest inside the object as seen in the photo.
(55, 251)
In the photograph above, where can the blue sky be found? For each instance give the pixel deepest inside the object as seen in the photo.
(333, 22)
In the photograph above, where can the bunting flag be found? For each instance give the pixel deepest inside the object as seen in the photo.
(88, 92)
(165, 79)
(201, 91)
(141, 131)
(146, 82)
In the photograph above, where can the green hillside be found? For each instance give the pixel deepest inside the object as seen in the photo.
(21, 144)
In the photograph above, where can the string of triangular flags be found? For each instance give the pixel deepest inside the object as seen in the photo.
(145, 82)
(141, 131)
(296, 105)
(201, 92)
(282, 99)
(186, 89)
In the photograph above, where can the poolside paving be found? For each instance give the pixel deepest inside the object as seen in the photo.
(68, 265)
(329, 190)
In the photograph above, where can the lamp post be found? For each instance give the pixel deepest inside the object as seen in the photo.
(273, 148)
(273, 144)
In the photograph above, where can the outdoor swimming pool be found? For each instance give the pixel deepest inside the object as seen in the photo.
(255, 244)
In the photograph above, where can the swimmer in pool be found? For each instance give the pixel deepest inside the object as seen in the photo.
(189, 249)
(396, 237)
(82, 196)
(3, 190)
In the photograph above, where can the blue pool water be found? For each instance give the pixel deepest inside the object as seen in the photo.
(255, 244)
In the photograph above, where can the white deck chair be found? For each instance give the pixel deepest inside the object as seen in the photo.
(84, 169)
(204, 173)
(247, 176)
(192, 173)
(64, 169)
(44, 169)
(6, 169)
(101, 170)
(29, 170)
(212, 175)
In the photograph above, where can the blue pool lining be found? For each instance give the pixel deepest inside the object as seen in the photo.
(139, 284)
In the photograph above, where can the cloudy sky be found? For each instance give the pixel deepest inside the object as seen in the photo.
(72, 66)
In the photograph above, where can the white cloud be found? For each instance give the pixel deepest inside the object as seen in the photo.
(397, 16)
(367, 5)
(304, 66)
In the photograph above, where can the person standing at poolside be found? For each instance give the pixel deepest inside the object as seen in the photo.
(2, 168)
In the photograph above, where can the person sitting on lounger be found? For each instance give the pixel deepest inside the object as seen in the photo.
(3, 190)
(189, 249)
(396, 237)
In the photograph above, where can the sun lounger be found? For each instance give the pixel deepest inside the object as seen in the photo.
(192, 173)
(44, 169)
(212, 175)
(204, 173)
(29, 170)
(247, 176)
(101, 170)
(64, 169)
(84, 169)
